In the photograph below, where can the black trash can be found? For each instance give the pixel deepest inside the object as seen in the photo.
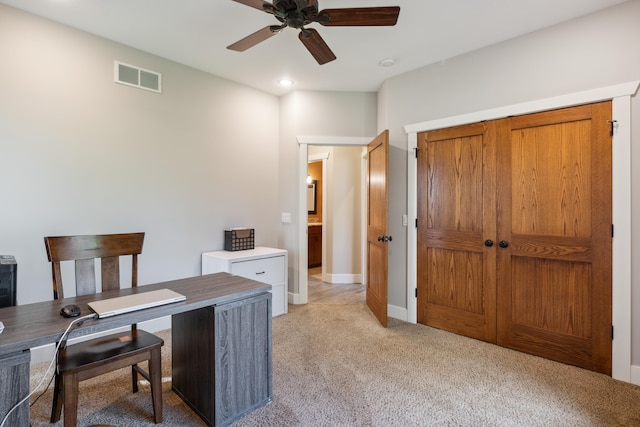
(8, 280)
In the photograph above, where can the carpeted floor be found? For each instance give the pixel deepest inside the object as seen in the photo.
(333, 365)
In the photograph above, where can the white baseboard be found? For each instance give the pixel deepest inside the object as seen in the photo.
(294, 298)
(45, 353)
(341, 279)
(635, 374)
(396, 312)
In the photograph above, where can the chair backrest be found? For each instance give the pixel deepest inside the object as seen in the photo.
(84, 250)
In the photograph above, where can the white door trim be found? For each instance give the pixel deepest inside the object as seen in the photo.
(621, 200)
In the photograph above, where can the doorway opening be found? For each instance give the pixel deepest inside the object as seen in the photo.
(329, 272)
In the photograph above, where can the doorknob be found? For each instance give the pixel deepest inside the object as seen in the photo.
(385, 238)
(380, 238)
(503, 243)
(488, 243)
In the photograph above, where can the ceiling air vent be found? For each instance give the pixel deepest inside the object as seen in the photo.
(131, 75)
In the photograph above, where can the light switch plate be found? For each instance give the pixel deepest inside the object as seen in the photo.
(286, 217)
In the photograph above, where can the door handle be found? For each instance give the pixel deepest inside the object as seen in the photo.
(503, 244)
(385, 238)
(488, 243)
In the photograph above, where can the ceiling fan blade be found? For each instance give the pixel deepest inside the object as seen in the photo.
(256, 4)
(255, 38)
(316, 45)
(359, 16)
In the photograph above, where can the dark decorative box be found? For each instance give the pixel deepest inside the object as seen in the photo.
(239, 239)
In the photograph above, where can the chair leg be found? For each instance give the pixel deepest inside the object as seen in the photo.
(155, 374)
(70, 395)
(58, 395)
(134, 379)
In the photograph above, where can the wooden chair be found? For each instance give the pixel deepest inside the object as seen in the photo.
(82, 361)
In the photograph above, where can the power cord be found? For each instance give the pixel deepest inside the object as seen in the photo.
(74, 323)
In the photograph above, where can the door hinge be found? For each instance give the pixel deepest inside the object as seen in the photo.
(612, 230)
(613, 124)
(416, 152)
(416, 292)
(612, 332)
(416, 222)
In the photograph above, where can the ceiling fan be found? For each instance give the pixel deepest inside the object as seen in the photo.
(299, 13)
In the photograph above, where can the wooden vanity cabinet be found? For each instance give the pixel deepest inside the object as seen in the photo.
(315, 246)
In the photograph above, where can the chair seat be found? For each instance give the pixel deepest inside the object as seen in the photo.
(94, 352)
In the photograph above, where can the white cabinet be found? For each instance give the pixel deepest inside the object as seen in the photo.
(267, 265)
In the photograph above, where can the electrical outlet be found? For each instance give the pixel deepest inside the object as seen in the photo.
(405, 220)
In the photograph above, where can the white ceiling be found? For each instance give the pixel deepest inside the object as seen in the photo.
(196, 33)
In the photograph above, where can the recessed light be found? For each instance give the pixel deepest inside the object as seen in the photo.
(285, 82)
(389, 62)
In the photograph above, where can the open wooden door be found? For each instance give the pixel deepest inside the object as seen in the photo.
(378, 226)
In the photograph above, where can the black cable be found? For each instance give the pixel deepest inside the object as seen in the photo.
(43, 392)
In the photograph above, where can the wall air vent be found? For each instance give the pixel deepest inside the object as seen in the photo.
(131, 75)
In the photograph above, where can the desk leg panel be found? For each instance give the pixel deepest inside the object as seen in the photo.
(222, 359)
(14, 386)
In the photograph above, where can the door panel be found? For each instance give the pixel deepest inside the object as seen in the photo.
(456, 214)
(377, 226)
(554, 281)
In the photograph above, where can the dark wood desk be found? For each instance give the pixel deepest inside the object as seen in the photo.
(33, 325)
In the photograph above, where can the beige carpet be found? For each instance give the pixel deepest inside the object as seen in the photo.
(334, 366)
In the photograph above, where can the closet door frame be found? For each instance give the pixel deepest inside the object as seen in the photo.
(621, 197)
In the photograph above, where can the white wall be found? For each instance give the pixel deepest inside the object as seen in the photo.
(82, 155)
(345, 214)
(587, 53)
(342, 216)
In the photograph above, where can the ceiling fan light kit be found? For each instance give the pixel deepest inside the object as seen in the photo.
(300, 13)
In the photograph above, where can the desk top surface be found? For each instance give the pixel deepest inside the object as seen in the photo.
(32, 325)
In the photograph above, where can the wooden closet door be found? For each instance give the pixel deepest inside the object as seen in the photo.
(554, 219)
(456, 216)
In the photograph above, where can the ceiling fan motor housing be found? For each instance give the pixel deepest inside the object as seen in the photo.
(296, 13)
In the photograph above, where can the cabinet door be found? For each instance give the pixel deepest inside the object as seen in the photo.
(314, 245)
(14, 378)
(242, 357)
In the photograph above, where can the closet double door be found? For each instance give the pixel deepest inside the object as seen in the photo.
(515, 233)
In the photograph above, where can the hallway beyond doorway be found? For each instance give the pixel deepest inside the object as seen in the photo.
(326, 293)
